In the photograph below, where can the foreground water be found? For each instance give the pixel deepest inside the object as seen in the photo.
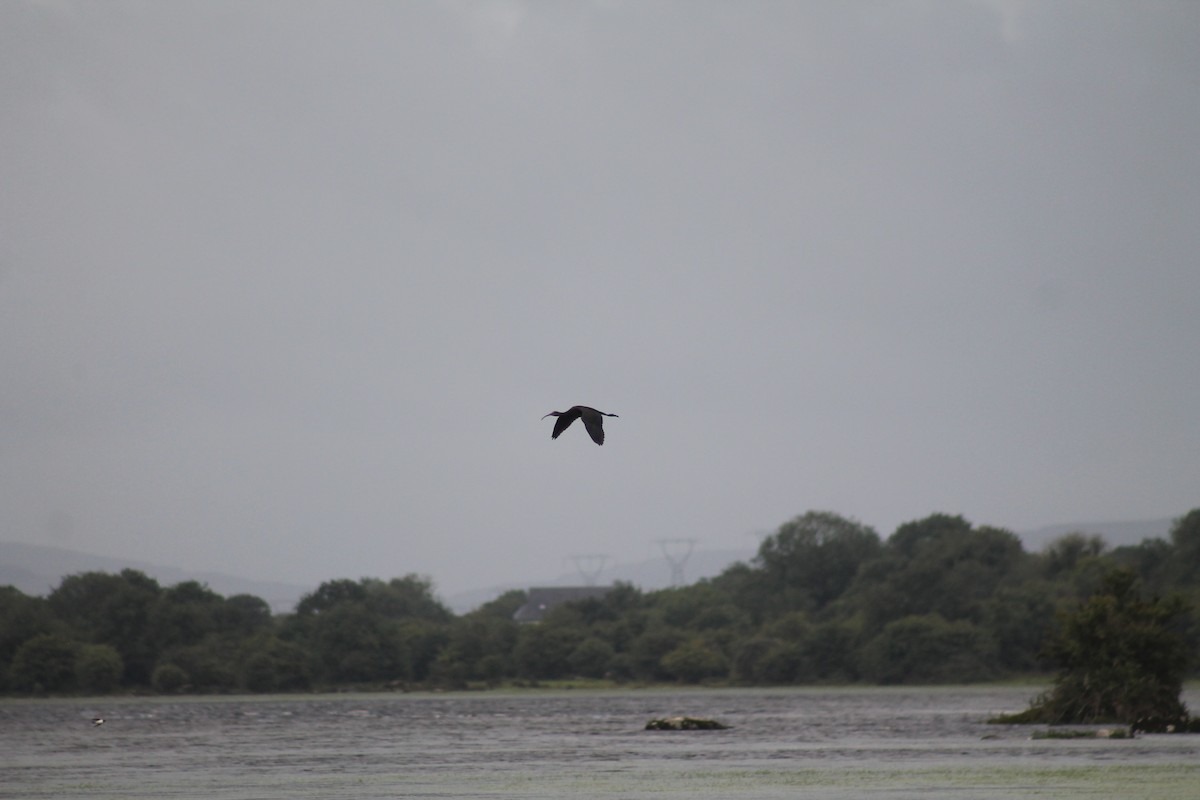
(813, 743)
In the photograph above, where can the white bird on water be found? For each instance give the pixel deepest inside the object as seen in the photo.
(593, 420)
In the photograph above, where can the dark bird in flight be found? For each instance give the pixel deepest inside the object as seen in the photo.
(593, 420)
(98, 721)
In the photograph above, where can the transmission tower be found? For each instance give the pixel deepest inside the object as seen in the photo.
(589, 566)
(677, 552)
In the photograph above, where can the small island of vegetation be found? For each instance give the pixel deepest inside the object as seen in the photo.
(1121, 658)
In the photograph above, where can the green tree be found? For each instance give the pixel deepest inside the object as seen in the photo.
(912, 537)
(1120, 657)
(543, 651)
(493, 667)
(702, 606)
(352, 645)
(479, 644)
(244, 615)
(408, 597)
(831, 652)
(1184, 569)
(45, 663)
(421, 641)
(782, 663)
(184, 615)
(1076, 563)
(1152, 559)
(98, 668)
(169, 678)
(331, 594)
(694, 661)
(618, 618)
(211, 664)
(648, 649)
(591, 657)
(1018, 619)
(21, 618)
(273, 665)
(1068, 551)
(369, 630)
(749, 655)
(928, 650)
(811, 560)
(938, 565)
(113, 610)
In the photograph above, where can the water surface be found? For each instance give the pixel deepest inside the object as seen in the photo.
(815, 743)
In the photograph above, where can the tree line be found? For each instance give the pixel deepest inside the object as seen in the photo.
(825, 600)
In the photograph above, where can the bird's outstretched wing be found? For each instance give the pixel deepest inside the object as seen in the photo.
(563, 422)
(595, 426)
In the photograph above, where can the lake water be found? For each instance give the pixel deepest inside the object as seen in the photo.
(811, 743)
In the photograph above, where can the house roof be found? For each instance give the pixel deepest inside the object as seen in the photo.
(542, 599)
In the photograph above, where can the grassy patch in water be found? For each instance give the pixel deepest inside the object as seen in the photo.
(1075, 733)
(1015, 781)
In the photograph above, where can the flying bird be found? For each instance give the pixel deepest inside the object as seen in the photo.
(97, 722)
(593, 420)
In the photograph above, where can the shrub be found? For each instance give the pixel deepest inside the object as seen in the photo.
(927, 649)
(1121, 658)
(45, 663)
(590, 659)
(98, 668)
(275, 666)
(168, 678)
(695, 660)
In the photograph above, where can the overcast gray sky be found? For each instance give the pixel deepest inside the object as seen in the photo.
(285, 287)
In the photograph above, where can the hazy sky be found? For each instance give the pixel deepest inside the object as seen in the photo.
(285, 287)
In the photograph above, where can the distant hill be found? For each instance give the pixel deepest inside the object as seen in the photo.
(1115, 533)
(37, 570)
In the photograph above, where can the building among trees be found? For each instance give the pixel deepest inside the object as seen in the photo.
(541, 600)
